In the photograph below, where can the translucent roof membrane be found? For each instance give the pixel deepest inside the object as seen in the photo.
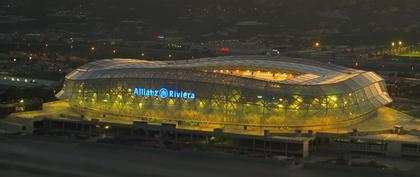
(314, 73)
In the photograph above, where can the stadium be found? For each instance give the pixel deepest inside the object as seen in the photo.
(269, 92)
(252, 91)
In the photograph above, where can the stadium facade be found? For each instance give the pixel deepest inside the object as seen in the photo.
(259, 91)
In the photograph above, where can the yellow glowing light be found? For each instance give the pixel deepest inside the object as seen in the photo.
(299, 99)
(201, 104)
(171, 102)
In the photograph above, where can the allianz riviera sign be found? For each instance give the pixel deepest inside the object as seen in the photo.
(164, 93)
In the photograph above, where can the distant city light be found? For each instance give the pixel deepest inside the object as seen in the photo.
(225, 49)
(159, 37)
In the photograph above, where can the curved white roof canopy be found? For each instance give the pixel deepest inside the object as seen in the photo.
(316, 73)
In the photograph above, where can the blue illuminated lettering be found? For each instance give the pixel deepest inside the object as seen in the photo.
(164, 93)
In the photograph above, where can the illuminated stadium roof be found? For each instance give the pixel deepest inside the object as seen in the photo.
(312, 72)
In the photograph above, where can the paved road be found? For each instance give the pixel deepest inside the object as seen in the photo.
(35, 157)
